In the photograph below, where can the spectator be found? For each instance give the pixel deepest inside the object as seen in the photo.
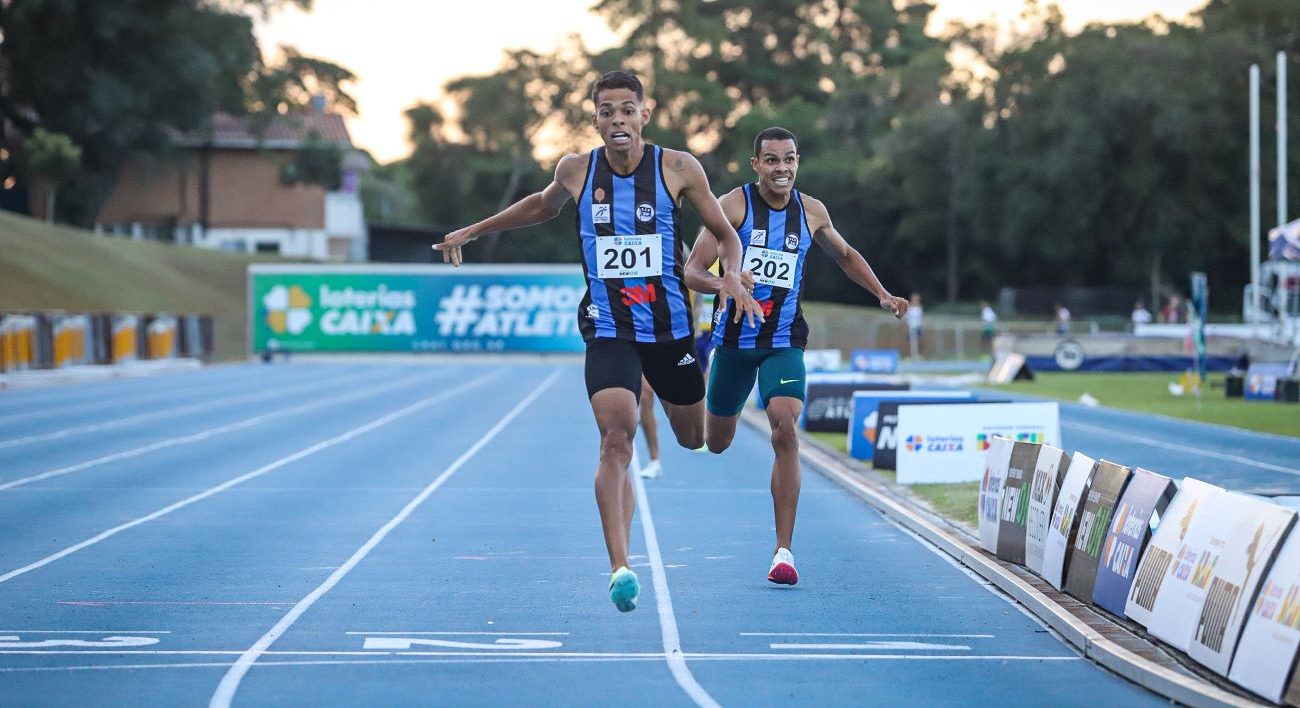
(1062, 319)
(1140, 314)
(989, 319)
(915, 315)
(1172, 312)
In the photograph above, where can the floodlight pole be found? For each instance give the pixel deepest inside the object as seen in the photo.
(1254, 193)
(1281, 138)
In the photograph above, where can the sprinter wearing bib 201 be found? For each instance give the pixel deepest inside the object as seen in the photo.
(634, 318)
(776, 224)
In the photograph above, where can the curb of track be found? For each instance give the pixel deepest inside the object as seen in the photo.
(1184, 689)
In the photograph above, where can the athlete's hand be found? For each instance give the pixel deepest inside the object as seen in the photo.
(894, 304)
(746, 306)
(747, 280)
(450, 245)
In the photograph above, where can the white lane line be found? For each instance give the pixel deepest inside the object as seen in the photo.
(463, 634)
(210, 432)
(82, 631)
(1111, 432)
(667, 621)
(860, 634)
(305, 452)
(165, 413)
(230, 682)
(892, 646)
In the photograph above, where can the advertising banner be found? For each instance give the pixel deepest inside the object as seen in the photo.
(1049, 474)
(1177, 608)
(864, 423)
(874, 361)
(1060, 535)
(946, 443)
(828, 401)
(884, 454)
(1167, 543)
(1262, 378)
(1253, 533)
(996, 461)
(822, 360)
(392, 308)
(1015, 501)
(1098, 507)
(1266, 654)
(1145, 499)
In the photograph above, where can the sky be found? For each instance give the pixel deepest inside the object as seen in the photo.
(403, 51)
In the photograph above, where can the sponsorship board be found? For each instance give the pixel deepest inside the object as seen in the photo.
(1139, 511)
(822, 360)
(1262, 380)
(1168, 543)
(1060, 535)
(392, 308)
(946, 442)
(874, 361)
(1253, 534)
(996, 461)
(1096, 510)
(884, 455)
(1049, 473)
(828, 400)
(1266, 654)
(1014, 511)
(864, 420)
(1196, 550)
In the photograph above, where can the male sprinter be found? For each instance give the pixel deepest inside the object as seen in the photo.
(778, 224)
(636, 316)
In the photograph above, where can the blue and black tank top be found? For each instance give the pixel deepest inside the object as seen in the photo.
(781, 237)
(628, 231)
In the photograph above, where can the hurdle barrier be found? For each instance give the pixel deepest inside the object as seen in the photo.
(55, 340)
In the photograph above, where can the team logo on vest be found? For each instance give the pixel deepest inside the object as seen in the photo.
(758, 237)
(598, 195)
(600, 213)
(592, 311)
(792, 242)
(645, 212)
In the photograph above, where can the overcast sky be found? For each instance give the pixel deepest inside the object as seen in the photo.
(403, 51)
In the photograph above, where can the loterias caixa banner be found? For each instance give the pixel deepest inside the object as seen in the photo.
(414, 308)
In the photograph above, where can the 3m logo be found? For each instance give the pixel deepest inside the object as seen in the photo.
(287, 309)
(914, 443)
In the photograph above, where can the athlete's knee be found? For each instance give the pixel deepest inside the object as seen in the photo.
(785, 436)
(719, 440)
(616, 446)
(690, 437)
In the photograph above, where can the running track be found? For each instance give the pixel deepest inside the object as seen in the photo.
(385, 534)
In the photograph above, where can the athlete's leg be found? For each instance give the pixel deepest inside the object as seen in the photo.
(783, 416)
(674, 373)
(731, 378)
(613, 375)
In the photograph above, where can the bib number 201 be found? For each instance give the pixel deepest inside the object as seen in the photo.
(629, 256)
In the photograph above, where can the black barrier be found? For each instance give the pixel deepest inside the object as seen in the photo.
(828, 407)
(44, 341)
(206, 337)
(1014, 511)
(100, 344)
(142, 336)
(1095, 513)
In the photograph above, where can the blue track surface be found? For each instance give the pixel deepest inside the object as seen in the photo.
(427, 534)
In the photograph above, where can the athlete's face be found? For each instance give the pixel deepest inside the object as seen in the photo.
(619, 117)
(776, 165)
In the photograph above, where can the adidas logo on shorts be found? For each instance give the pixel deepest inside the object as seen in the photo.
(686, 360)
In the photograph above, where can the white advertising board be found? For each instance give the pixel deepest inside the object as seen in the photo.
(1049, 471)
(1269, 643)
(1061, 533)
(1167, 543)
(947, 443)
(996, 461)
(1253, 533)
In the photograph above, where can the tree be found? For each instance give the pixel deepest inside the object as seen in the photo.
(51, 158)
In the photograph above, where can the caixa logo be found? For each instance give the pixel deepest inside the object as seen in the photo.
(982, 442)
(934, 443)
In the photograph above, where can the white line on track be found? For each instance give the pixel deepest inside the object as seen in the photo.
(667, 621)
(1113, 433)
(82, 631)
(856, 634)
(305, 452)
(230, 682)
(210, 432)
(463, 634)
(165, 413)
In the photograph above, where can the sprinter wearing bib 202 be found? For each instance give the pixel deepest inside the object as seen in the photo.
(777, 224)
(634, 318)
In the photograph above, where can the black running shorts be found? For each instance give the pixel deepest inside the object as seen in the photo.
(672, 368)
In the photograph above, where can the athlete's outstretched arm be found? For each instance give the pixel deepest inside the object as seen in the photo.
(850, 260)
(696, 189)
(705, 251)
(532, 209)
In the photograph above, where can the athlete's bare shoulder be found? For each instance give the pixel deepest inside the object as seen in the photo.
(679, 161)
(572, 170)
(815, 210)
(733, 205)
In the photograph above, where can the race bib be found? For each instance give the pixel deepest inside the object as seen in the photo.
(629, 256)
(771, 267)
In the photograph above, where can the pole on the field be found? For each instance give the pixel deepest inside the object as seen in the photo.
(1254, 193)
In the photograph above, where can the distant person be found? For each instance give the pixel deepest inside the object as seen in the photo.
(988, 321)
(915, 320)
(650, 429)
(1172, 312)
(1140, 314)
(779, 224)
(1062, 319)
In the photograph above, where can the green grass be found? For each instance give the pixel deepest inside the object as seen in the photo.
(959, 501)
(1149, 393)
(46, 267)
